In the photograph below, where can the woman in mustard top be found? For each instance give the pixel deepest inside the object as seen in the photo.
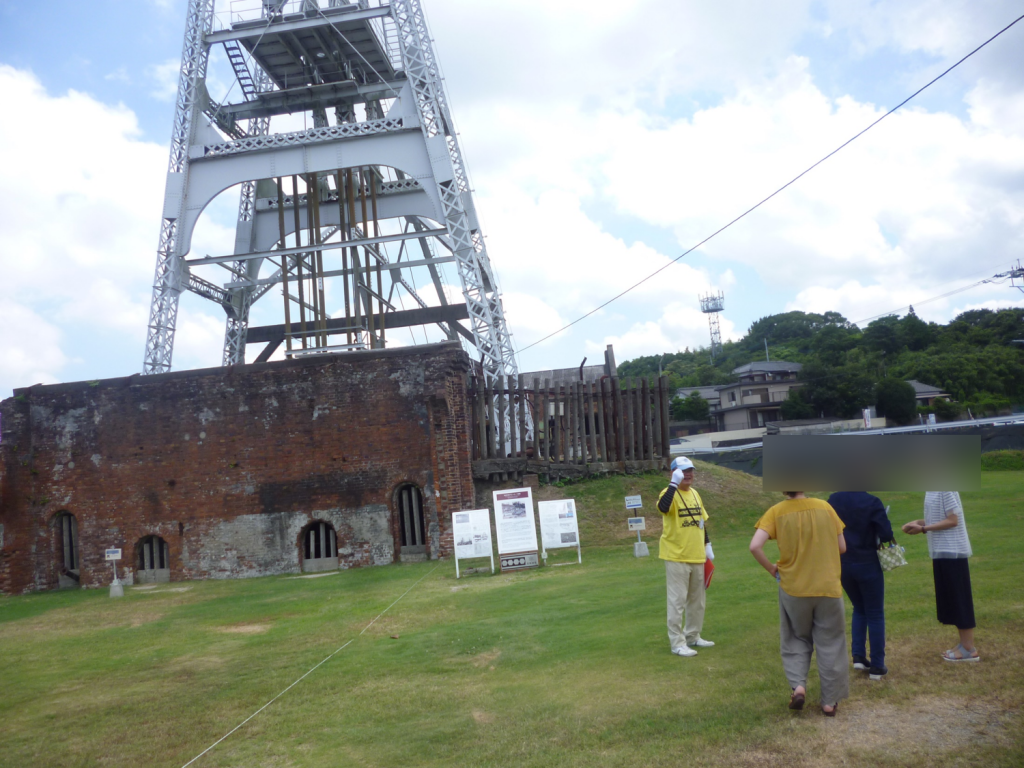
(811, 613)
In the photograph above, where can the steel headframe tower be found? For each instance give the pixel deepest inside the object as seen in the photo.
(386, 171)
(711, 305)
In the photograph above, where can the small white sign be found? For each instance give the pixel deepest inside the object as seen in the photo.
(558, 524)
(113, 554)
(518, 560)
(633, 502)
(471, 531)
(637, 523)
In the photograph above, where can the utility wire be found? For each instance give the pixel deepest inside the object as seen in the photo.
(776, 192)
(1001, 278)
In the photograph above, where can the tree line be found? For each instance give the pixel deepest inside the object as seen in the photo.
(977, 359)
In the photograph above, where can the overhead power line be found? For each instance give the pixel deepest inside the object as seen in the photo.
(776, 192)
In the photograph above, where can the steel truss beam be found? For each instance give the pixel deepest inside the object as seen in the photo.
(361, 241)
(413, 135)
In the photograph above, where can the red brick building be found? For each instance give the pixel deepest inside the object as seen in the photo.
(300, 465)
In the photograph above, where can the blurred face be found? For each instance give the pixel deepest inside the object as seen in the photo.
(687, 479)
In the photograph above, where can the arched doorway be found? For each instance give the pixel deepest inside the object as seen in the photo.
(154, 561)
(66, 530)
(411, 525)
(319, 547)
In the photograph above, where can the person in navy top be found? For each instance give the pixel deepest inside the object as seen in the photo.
(862, 577)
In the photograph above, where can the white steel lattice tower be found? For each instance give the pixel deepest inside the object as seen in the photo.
(320, 207)
(711, 305)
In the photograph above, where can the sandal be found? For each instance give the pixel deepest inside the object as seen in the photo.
(961, 654)
(835, 708)
(796, 701)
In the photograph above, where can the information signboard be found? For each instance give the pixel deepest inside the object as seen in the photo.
(471, 531)
(637, 523)
(559, 526)
(113, 554)
(633, 502)
(516, 528)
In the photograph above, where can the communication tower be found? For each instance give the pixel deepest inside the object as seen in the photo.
(711, 305)
(339, 217)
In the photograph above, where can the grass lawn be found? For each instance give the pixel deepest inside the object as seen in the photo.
(565, 666)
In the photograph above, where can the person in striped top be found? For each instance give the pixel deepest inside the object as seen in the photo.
(949, 548)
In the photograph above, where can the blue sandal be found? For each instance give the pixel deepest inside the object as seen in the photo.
(961, 654)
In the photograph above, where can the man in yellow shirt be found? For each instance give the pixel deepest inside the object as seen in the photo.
(684, 547)
(811, 613)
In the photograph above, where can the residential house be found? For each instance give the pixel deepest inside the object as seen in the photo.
(926, 394)
(757, 397)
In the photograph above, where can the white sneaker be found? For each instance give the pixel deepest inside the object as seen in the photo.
(684, 650)
(700, 642)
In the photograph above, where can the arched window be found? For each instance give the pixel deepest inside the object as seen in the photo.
(154, 561)
(319, 547)
(66, 530)
(412, 531)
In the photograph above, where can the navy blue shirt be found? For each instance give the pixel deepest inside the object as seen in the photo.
(866, 524)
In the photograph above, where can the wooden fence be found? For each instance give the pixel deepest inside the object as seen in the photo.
(569, 430)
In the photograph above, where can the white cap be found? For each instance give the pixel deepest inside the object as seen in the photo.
(681, 463)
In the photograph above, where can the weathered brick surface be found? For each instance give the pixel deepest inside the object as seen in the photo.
(228, 465)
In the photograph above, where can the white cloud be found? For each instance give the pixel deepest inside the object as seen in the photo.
(30, 348)
(79, 224)
(165, 78)
(680, 326)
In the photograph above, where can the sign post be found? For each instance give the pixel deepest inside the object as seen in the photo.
(516, 529)
(471, 531)
(116, 590)
(637, 524)
(559, 527)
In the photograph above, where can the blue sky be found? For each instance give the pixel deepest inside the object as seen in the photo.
(603, 139)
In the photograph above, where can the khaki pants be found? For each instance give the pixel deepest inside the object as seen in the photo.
(685, 582)
(808, 624)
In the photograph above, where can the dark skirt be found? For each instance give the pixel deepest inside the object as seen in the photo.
(953, 601)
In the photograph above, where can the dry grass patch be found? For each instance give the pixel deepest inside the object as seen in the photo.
(485, 659)
(922, 731)
(244, 629)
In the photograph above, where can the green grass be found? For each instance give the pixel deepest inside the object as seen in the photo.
(1003, 461)
(563, 666)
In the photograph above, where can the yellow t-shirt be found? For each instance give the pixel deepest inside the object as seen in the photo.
(682, 528)
(807, 531)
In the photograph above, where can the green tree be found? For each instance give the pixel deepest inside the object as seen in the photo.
(692, 408)
(795, 407)
(947, 410)
(895, 399)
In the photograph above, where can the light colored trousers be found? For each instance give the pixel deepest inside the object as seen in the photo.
(685, 583)
(808, 624)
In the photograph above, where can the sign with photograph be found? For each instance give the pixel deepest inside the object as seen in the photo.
(471, 532)
(637, 523)
(113, 554)
(558, 525)
(514, 524)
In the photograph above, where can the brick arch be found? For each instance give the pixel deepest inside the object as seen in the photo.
(318, 547)
(409, 522)
(66, 549)
(152, 560)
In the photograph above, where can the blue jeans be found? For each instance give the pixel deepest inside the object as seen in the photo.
(864, 584)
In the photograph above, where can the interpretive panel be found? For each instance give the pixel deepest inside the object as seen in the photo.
(513, 521)
(471, 531)
(558, 523)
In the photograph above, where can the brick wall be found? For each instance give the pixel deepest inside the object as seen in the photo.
(229, 465)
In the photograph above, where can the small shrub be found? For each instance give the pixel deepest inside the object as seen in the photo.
(1003, 461)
